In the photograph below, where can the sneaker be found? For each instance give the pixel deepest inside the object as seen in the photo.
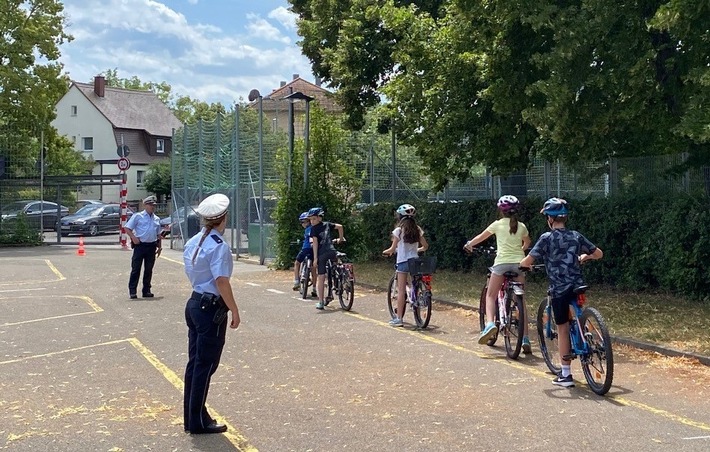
(314, 294)
(320, 305)
(567, 382)
(396, 322)
(526, 345)
(296, 285)
(328, 300)
(488, 333)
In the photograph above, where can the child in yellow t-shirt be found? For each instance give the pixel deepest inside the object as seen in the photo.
(512, 239)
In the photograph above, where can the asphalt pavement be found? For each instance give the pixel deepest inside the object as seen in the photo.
(82, 367)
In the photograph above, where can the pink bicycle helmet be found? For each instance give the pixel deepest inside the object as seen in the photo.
(508, 203)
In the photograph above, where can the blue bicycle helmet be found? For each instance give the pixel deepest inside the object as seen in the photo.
(555, 207)
(316, 212)
(303, 216)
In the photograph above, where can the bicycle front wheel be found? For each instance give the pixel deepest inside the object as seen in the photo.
(305, 277)
(514, 326)
(346, 294)
(482, 315)
(598, 362)
(547, 333)
(422, 308)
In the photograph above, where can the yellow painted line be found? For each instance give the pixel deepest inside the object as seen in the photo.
(95, 308)
(234, 437)
(232, 434)
(51, 266)
(70, 350)
(172, 260)
(622, 400)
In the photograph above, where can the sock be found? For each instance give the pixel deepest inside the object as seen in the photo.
(566, 371)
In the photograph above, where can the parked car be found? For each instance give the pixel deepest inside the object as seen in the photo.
(85, 202)
(176, 224)
(94, 219)
(33, 211)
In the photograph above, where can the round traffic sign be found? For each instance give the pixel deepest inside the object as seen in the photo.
(124, 164)
(122, 150)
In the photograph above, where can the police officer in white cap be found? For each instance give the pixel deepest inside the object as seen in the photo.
(208, 264)
(144, 231)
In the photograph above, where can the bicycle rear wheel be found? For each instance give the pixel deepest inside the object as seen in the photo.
(392, 299)
(514, 328)
(482, 315)
(346, 293)
(305, 277)
(598, 362)
(422, 308)
(547, 333)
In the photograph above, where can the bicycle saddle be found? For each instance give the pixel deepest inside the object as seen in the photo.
(581, 289)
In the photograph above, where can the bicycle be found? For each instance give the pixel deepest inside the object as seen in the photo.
(418, 293)
(510, 310)
(341, 280)
(589, 339)
(305, 277)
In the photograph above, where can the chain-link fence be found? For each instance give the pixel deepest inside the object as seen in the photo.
(224, 156)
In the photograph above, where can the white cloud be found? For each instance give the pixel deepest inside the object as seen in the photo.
(260, 28)
(147, 39)
(285, 17)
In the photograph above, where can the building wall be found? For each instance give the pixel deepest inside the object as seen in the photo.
(88, 122)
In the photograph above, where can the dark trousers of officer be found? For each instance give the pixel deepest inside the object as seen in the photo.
(205, 344)
(143, 252)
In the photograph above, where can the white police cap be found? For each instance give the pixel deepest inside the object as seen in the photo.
(150, 200)
(213, 206)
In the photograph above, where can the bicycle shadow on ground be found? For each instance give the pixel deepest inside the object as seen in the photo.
(582, 391)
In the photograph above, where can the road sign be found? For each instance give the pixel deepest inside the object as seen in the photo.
(122, 150)
(124, 164)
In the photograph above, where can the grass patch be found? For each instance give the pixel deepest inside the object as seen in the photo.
(657, 318)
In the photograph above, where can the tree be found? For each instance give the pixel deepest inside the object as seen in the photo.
(31, 79)
(158, 180)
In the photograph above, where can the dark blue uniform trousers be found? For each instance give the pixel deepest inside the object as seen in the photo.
(143, 252)
(205, 344)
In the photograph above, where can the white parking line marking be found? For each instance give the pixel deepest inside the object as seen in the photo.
(275, 291)
(253, 284)
(698, 437)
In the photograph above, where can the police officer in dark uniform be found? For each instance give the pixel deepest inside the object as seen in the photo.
(144, 230)
(208, 264)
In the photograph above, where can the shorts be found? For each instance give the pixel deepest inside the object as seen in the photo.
(304, 254)
(500, 269)
(323, 258)
(403, 267)
(560, 306)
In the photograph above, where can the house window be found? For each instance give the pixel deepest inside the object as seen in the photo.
(160, 146)
(73, 139)
(74, 110)
(140, 177)
(88, 143)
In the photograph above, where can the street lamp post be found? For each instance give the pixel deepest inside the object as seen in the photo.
(256, 95)
(306, 133)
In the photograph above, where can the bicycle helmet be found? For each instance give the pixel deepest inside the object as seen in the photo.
(303, 216)
(406, 210)
(316, 212)
(508, 203)
(555, 207)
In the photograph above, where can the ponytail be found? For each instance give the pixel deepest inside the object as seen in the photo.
(209, 225)
(513, 223)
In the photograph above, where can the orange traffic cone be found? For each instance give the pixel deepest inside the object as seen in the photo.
(81, 251)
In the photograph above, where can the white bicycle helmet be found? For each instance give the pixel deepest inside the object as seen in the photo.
(406, 210)
(508, 203)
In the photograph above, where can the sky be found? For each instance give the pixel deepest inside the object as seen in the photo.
(210, 50)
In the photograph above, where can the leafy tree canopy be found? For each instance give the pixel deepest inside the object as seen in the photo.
(493, 83)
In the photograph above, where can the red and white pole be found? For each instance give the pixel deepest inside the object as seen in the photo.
(124, 213)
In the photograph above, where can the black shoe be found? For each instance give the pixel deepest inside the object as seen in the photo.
(148, 295)
(214, 427)
(133, 296)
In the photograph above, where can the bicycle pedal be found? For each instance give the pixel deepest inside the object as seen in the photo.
(569, 357)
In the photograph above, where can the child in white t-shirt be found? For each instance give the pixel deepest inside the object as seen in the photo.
(407, 241)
